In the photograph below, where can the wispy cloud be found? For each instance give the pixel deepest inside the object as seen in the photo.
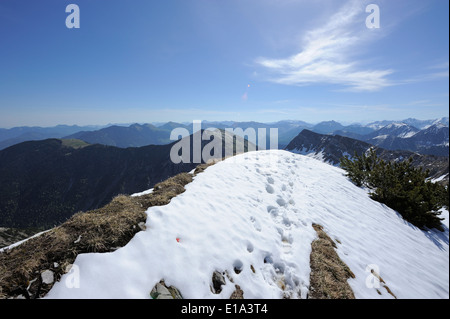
(440, 66)
(442, 71)
(431, 73)
(327, 55)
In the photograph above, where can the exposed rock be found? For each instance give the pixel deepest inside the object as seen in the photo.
(47, 277)
(161, 291)
(78, 240)
(218, 280)
(175, 292)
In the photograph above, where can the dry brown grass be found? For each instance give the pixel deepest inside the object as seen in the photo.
(165, 191)
(201, 168)
(238, 293)
(100, 230)
(329, 274)
(383, 283)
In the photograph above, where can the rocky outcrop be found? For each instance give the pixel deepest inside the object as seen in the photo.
(218, 280)
(162, 291)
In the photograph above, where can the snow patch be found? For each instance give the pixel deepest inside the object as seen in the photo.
(381, 137)
(435, 180)
(316, 154)
(149, 191)
(22, 241)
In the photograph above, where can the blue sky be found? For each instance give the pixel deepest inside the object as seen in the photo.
(183, 60)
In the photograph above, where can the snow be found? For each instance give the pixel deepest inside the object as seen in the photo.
(441, 178)
(149, 191)
(348, 155)
(22, 241)
(400, 130)
(316, 154)
(381, 137)
(257, 209)
(395, 125)
(407, 134)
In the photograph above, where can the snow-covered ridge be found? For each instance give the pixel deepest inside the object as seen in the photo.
(256, 211)
(396, 125)
(310, 152)
(400, 130)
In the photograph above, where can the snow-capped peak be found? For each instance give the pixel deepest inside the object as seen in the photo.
(395, 125)
(442, 121)
(396, 129)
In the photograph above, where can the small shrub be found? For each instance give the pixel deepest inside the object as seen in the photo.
(400, 186)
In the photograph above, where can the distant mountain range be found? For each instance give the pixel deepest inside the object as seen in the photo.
(433, 140)
(16, 135)
(45, 182)
(42, 183)
(135, 135)
(331, 148)
(138, 135)
(420, 124)
(423, 136)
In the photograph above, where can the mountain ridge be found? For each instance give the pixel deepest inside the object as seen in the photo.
(331, 148)
(272, 227)
(45, 182)
(136, 135)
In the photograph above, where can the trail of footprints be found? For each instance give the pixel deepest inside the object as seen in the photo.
(285, 216)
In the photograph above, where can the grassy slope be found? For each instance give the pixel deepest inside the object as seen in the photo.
(101, 230)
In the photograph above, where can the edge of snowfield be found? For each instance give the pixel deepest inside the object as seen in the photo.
(257, 209)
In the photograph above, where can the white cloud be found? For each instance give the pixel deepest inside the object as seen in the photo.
(440, 71)
(328, 54)
(440, 66)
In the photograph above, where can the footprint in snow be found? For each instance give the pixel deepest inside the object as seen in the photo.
(287, 239)
(272, 211)
(281, 201)
(255, 223)
(270, 189)
(238, 266)
(286, 222)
